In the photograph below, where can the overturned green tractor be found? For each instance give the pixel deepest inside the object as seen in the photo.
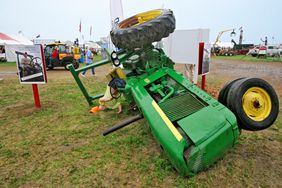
(192, 128)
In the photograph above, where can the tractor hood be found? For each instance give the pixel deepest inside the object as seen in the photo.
(202, 125)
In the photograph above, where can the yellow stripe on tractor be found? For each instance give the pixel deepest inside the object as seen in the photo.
(167, 121)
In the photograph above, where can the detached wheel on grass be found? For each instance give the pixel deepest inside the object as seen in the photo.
(143, 29)
(254, 102)
(222, 97)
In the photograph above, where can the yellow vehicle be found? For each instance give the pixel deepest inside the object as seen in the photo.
(64, 56)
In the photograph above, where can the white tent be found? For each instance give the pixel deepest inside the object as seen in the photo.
(91, 44)
(10, 41)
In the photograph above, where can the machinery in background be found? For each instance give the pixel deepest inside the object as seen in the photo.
(63, 58)
(237, 49)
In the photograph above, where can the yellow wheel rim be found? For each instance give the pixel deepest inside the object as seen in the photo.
(140, 18)
(256, 103)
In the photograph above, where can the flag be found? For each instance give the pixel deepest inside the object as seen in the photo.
(90, 30)
(116, 11)
(80, 26)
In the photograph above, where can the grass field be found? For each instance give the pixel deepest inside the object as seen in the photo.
(249, 58)
(7, 64)
(60, 144)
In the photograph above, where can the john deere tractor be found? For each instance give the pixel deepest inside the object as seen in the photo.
(192, 128)
(64, 57)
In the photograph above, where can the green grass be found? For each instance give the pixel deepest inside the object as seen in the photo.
(60, 145)
(7, 64)
(249, 58)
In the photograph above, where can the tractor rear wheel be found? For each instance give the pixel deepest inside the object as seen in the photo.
(143, 29)
(254, 103)
(75, 64)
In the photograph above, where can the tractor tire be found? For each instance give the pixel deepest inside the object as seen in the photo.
(143, 29)
(49, 67)
(254, 102)
(222, 97)
(75, 64)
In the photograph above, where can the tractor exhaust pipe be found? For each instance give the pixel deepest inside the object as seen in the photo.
(123, 124)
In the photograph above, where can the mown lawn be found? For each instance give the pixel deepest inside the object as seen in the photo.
(7, 64)
(61, 144)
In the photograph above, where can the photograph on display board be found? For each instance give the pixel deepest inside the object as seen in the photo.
(206, 59)
(30, 64)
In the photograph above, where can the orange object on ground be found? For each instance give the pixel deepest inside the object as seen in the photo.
(95, 109)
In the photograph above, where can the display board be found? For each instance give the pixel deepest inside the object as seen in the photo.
(182, 47)
(30, 64)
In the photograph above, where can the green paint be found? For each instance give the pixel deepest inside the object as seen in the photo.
(208, 128)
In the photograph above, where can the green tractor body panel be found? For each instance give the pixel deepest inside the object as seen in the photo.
(193, 129)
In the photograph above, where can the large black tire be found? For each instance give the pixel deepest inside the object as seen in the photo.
(254, 103)
(222, 97)
(75, 64)
(130, 34)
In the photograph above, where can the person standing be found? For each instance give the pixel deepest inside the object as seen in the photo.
(89, 60)
(53, 57)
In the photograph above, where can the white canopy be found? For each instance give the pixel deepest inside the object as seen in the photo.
(91, 44)
(6, 39)
(12, 40)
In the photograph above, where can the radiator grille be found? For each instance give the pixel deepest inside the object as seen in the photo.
(181, 106)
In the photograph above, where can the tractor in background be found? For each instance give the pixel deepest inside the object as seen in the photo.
(64, 58)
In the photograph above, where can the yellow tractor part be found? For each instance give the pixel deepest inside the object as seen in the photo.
(257, 103)
(62, 56)
(140, 18)
(76, 56)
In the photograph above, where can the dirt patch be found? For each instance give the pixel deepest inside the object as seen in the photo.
(18, 110)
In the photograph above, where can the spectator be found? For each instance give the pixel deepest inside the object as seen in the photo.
(111, 98)
(89, 61)
(54, 56)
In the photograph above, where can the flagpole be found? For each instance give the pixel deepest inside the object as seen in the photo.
(80, 37)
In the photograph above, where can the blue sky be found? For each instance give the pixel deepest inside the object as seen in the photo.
(59, 19)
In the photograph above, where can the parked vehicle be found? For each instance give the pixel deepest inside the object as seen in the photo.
(263, 51)
(273, 50)
(254, 51)
(64, 57)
